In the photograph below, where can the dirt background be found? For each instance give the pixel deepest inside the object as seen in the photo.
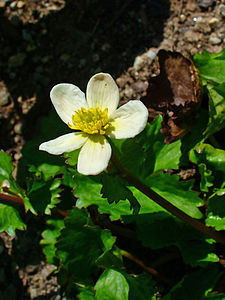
(45, 42)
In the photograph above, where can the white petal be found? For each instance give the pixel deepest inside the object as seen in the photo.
(65, 143)
(67, 98)
(103, 92)
(94, 156)
(128, 120)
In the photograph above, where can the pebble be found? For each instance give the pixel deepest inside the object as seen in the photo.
(18, 128)
(13, 5)
(206, 3)
(192, 36)
(214, 40)
(182, 18)
(139, 86)
(151, 54)
(121, 82)
(2, 4)
(20, 4)
(138, 63)
(213, 21)
(141, 60)
(222, 10)
(4, 97)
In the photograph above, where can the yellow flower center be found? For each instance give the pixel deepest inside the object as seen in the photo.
(92, 120)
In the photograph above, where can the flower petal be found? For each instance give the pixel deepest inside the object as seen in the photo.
(103, 92)
(94, 155)
(65, 143)
(67, 98)
(128, 120)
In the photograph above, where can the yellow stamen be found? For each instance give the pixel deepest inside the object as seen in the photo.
(92, 120)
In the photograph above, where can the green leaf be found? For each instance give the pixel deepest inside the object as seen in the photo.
(159, 230)
(141, 287)
(10, 219)
(86, 294)
(81, 243)
(211, 66)
(88, 192)
(216, 211)
(49, 238)
(194, 136)
(43, 195)
(6, 178)
(130, 154)
(195, 286)
(112, 285)
(119, 191)
(178, 193)
(72, 157)
(213, 158)
(216, 109)
(110, 259)
(206, 178)
(158, 154)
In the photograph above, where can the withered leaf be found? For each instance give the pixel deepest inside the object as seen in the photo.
(175, 94)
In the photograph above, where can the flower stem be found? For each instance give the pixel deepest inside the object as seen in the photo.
(218, 237)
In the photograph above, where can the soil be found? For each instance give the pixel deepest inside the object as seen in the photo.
(45, 42)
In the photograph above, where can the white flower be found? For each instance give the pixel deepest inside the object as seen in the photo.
(94, 118)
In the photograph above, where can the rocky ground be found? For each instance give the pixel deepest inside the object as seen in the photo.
(44, 42)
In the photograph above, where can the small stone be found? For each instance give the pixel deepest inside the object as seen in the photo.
(17, 156)
(2, 4)
(214, 40)
(129, 92)
(192, 36)
(182, 18)
(31, 268)
(222, 10)
(20, 4)
(151, 54)
(18, 128)
(121, 82)
(191, 5)
(213, 21)
(139, 86)
(13, 5)
(206, 3)
(4, 97)
(138, 63)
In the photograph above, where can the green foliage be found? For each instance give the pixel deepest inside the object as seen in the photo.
(211, 66)
(92, 221)
(212, 71)
(112, 285)
(195, 285)
(81, 237)
(159, 230)
(184, 198)
(10, 219)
